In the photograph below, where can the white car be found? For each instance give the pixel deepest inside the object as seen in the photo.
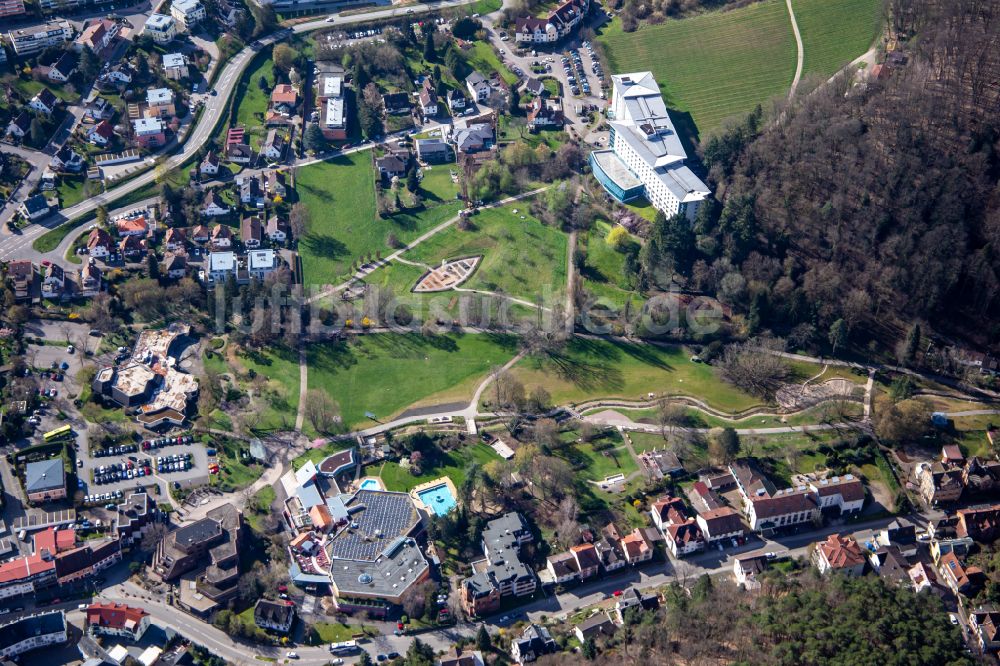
(292, 655)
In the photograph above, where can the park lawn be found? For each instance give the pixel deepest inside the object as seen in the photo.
(385, 373)
(516, 129)
(803, 370)
(521, 258)
(29, 89)
(588, 369)
(436, 185)
(453, 465)
(603, 271)
(712, 66)
(598, 465)
(484, 59)
(252, 102)
(233, 472)
(280, 394)
(970, 433)
(338, 632)
(835, 33)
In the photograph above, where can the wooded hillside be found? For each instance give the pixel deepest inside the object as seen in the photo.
(876, 204)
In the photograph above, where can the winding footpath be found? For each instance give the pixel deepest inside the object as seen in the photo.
(800, 51)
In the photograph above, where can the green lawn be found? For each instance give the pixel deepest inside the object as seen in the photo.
(453, 465)
(598, 465)
(70, 190)
(29, 89)
(385, 373)
(603, 272)
(336, 632)
(251, 100)
(521, 258)
(280, 367)
(484, 59)
(436, 184)
(835, 33)
(714, 65)
(588, 369)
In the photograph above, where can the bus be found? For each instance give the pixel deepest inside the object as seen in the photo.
(346, 647)
(58, 433)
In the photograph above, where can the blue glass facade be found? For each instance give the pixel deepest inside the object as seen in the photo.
(614, 189)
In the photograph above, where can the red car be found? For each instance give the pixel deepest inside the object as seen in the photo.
(618, 593)
(399, 625)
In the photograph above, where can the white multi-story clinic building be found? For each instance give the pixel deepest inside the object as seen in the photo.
(645, 156)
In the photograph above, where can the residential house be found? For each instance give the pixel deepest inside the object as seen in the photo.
(99, 243)
(556, 25)
(284, 101)
(175, 240)
(939, 485)
(396, 103)
(703, 498)
(562, 568)
(534, 642)
(536, 87)
(667, 511)
(200, 234)
(839, 495)
(595, 626)
(101, 133)
(132, 248)
(951, 455)
(132, 224)
(239, 153)
(719, 524)
(44, 102)
(922, 577)
(960, 578)
(34, 207)
(390, 166)
(20, 125)
(840, 554)
(175, 66)
(981, 477)
(149, 132)
(632, 598)
(210, 165)
(462, 658)
(97, 36)
(274, 615)
(160, 103)
(684, 538)
(63, 68)
(66, 159)
(161, 28)
(433, 151)
(545, 113)
(221, 265)
(428, 102)
(174, 266)
(785, 509)
(609, 549)
(90, 279)
(984, 624)
(213, 205)
(751, 481)
(274, 184)
(117, 620)
(10, 8)
(474, 138)
(479, 87)
(533, 30)
(100, 109)
(119, 74)
(890, 564)
(456, 101)
(21, 275)
(503, 573)
(277, 230)
(903, 537)
(251, 193)
(187, 12)
(747, 571)
(33, 632)
(587, 561)
(636, 547)
(274, 145)
(222, 237)
(261, 263)
(981, 524)
(251, 231)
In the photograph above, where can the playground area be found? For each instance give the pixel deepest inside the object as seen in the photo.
(450, 274)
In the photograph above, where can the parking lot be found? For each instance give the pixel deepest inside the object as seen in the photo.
(124, 467)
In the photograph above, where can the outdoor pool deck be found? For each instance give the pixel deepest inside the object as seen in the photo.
(371, 483)
(436, 497)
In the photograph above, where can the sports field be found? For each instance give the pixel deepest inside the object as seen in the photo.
(714, 65)
(835, 33)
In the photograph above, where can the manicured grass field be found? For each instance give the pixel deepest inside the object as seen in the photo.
(29, 89)
(835, 33)
(340, 195)
(588, 369)
(436, 184)
(70, 190)
(714, 65)
(597, 465)
(484, 59)
(521, 258)
(385, 373)
(453, 465)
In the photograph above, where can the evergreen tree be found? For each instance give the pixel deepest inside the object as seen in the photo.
(590, 649)
(483, 640)
(515, 102)
(912, 345)
(838, 334)
(313, 139)
(153, 266)
(430, 54)
(412, 182)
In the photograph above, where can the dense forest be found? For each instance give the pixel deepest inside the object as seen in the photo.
(870, 206)
(805, 619)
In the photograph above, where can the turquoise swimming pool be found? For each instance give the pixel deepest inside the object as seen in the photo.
(370, 484)
(439, 499)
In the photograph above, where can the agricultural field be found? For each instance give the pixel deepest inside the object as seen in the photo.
(835, 33)
(712, 66)
(386, 373)
(590, 369)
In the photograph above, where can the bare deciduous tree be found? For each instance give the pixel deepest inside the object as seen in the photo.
(322, 411)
